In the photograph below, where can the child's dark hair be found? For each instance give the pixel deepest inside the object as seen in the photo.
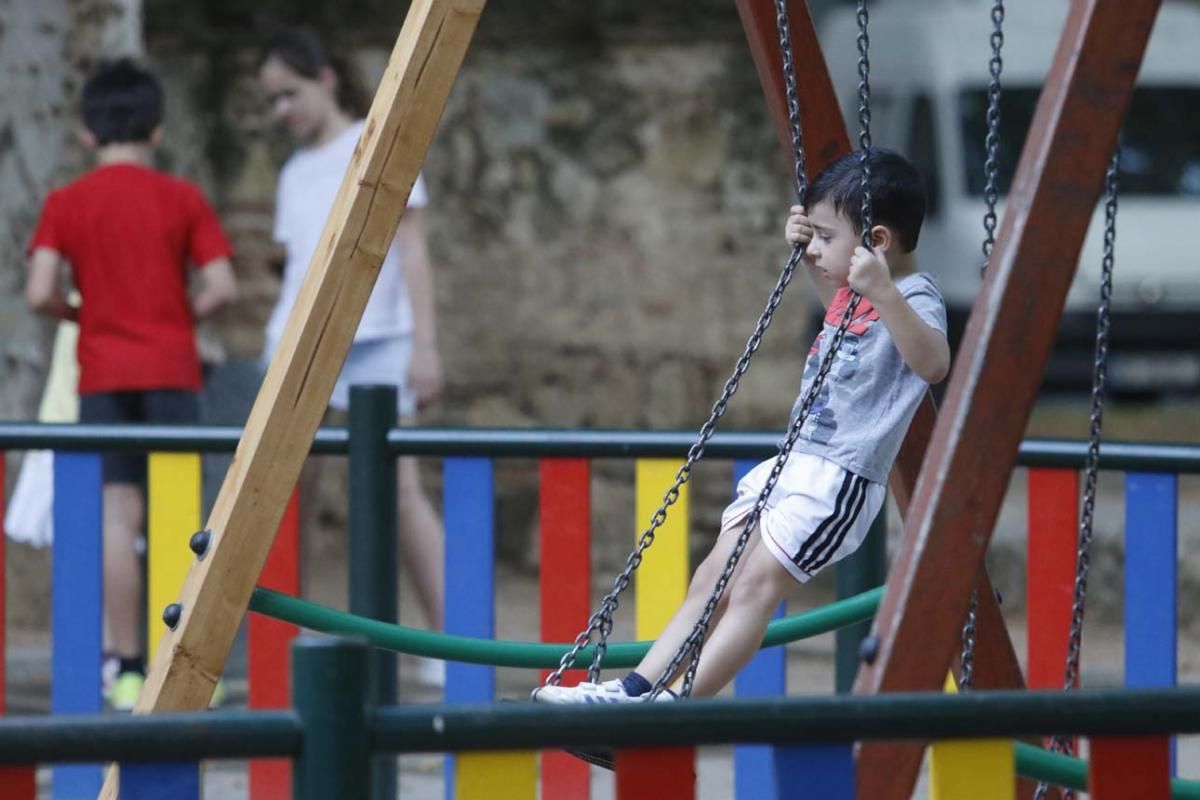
(301, 50)
(897, 192)
(122, 103)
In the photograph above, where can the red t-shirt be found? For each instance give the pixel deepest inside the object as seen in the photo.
(129, 233)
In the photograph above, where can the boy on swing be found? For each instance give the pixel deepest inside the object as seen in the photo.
(833, 483)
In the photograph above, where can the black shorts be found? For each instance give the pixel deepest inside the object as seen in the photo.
(157, 406)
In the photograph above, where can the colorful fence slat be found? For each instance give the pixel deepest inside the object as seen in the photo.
(825, 771)
(173, 489)
(173, 515)
(564, 508)
(153, 781)
(662, 579)
(1124, 767)
(16, 783)
(978, 768)
(269, 645)
(1053, 502)
(660, 584)
(656, 773)
(1151, 585)
(468, 486)
(76, 606)
(982, 769)
(764, 676)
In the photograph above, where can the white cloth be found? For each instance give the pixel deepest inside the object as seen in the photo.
(817, 514)
(30, 514)
(308, 186)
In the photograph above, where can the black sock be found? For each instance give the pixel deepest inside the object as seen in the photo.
(135, 664)
(635, 685)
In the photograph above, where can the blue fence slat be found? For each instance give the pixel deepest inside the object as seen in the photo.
(470, 577)
(153, 781)
(824, 771)
(764, 676)
(76, 606)
(1151, 587)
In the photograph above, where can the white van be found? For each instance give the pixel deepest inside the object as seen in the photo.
(929, 77)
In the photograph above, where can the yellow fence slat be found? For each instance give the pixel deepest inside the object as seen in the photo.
(662, 579)
(499, 775)
(173, 505)
(979, 769)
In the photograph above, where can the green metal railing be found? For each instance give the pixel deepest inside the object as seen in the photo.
(541, 443)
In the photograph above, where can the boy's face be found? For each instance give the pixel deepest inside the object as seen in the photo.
(832, 244)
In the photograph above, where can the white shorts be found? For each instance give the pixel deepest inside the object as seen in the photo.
(817, 514)
(370, 362)
(375, 362)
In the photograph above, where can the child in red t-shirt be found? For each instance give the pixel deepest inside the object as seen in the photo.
(129, 234)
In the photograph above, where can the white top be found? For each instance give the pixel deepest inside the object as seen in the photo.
(308, 186)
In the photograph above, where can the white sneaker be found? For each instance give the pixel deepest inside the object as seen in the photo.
(608, 692)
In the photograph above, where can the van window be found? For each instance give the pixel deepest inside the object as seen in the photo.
(1160, 144)
(923, 150)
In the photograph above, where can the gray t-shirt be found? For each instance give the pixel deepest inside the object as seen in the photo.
(861, 415)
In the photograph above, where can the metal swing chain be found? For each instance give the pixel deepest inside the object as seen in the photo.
(693, 643)
(601, 622)
(990, 196)
(1063, 744)
(991, 193)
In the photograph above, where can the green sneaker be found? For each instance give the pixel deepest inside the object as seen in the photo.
(125, 691)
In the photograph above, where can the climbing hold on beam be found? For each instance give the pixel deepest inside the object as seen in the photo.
(172, 615)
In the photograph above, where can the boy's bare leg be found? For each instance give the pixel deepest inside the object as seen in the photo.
(688, 614)
(422, 542)
(759, 585)
(124, 515)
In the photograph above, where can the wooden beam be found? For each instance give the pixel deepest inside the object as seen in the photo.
(999, 366)
(826, 139)
(300, 379)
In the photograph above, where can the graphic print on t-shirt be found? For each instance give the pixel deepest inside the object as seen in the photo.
(822, 423)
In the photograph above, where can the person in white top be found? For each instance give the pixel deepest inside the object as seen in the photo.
(316, 98)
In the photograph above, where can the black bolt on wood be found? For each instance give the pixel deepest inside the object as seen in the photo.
(199, 543)
(172, 615)
(869, 649)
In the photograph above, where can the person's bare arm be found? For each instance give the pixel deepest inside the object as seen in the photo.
(218, 288)
(424, 377)
(923, 347)
(42, 291)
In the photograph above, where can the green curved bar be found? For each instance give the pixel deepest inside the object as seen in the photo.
(529, 654)
(1059, 770)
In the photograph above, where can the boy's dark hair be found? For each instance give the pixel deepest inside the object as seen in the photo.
(897, 192)
(301, 50)
(122, 103)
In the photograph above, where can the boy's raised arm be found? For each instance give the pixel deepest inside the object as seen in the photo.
(923, 347)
